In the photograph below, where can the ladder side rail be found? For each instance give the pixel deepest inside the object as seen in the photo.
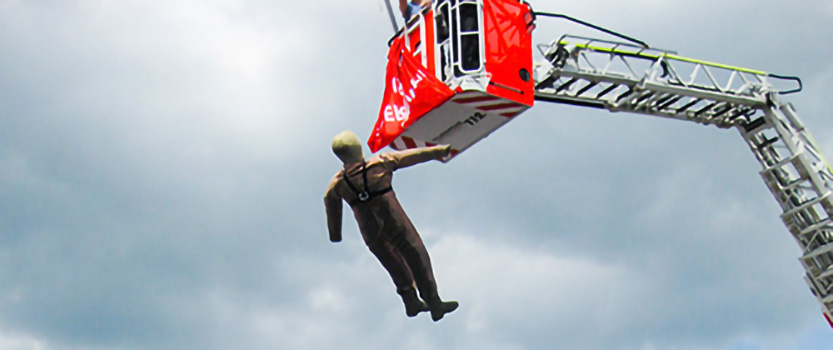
(804, 213)
(675, 94)
(801, 146)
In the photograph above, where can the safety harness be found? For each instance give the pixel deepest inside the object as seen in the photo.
(366, 195)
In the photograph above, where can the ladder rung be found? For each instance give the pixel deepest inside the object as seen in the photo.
(607, 90)
(826, 274)
(688, 105)
(643, 98)
(704, 109)
(630, 91)
(726, 108)
(770, 177)
(566, 85)
(792, 185)
(806, 205)
(818, 251)
(754, 125)
(549, 82)
(584, 89)
(779, 164)
(670, 102)
(662, 100)
(818, 226)
(767, 142)
(740, 112)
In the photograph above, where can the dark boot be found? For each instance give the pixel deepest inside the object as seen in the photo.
(413, 305)
(439, 308)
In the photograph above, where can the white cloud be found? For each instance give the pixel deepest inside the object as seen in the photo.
(328, 300)
(20, 343)
(508, 292)
(213, 71)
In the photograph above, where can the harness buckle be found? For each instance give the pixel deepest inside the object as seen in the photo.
(364, 196)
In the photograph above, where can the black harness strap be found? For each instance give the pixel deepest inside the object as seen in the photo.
(366, 195)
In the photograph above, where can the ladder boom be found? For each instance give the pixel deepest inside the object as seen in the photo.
(622, 77)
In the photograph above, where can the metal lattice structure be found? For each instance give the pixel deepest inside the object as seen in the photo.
(621, 77)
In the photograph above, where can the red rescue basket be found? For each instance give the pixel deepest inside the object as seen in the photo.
(461, 70)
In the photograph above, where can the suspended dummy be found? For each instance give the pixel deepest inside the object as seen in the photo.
(366, 186)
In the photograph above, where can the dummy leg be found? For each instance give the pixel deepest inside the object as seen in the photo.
(410, 245)
(402, 276)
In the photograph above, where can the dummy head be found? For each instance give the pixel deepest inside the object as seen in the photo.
(347, 147)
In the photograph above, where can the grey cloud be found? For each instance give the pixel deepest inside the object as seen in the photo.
(149, 196)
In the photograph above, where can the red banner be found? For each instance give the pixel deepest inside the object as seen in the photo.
(410, 93)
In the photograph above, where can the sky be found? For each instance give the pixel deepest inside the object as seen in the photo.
(163, 164)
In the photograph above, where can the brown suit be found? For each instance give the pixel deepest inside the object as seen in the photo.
(385, 227)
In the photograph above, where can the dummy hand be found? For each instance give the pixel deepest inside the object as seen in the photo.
(446, 150)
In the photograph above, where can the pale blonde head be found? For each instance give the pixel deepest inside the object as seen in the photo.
(347, 147)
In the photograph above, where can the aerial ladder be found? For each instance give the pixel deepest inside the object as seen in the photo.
(482, 50)
(623, 77)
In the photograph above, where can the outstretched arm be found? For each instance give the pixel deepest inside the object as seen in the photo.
(404, 159)
(333, 206)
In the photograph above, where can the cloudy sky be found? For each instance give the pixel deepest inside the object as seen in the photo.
(162, 166)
